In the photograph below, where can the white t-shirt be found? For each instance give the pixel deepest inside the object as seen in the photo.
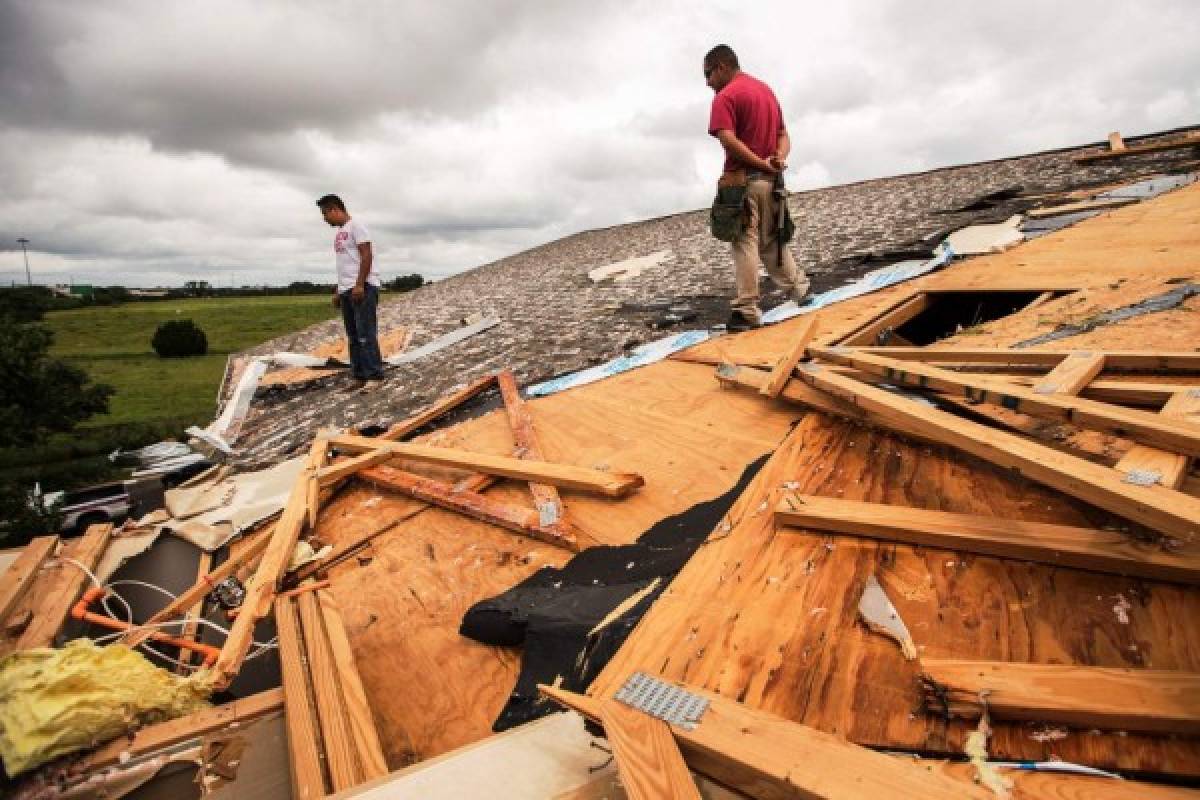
(345, 253)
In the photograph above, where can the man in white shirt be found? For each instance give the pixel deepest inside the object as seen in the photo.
(357, 291)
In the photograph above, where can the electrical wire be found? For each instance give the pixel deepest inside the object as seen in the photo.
(262, 647)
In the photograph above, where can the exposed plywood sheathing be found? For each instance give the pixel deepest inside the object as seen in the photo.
(770, 619)
(404, 595)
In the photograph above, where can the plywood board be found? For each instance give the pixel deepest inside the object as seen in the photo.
(402, 598)
(770, 619)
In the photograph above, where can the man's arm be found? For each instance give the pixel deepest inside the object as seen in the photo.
(782, 148)
(366, 258)
(736, 148)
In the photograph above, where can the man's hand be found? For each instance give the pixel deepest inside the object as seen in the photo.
(777, 163)
(358, 293)
(337, 300)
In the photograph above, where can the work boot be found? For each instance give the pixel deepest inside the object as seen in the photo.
(740, 322)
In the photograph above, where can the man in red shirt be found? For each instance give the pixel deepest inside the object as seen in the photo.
(747, 120)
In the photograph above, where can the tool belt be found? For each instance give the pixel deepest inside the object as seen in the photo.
(727, 219)
(728, 216)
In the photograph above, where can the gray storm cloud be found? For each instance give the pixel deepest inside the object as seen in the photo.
(155, 142)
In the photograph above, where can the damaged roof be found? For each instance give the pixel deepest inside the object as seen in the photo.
(553, 319)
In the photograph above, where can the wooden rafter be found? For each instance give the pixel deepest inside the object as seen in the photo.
(21, 574)
(70, 582)
(1157, 507)
(611, 484)
(1154, 700)
(1148, 428)
(770, 757)
(782, 372)
(1063, 545)
(551, 513)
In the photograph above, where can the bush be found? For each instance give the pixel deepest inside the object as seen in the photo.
(179, 338)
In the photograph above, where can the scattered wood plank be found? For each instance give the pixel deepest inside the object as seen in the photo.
(519, 520)
(343, 550)
(1153, 700)
(902, 312)
(1157, 507)
(203, 585)
(437, 409)
(308, 775)
(1084, 205)
(583, 479)
(193, 726)
(1139, 360)
(782, 372)
(551, 513)
(1190, 139)
(648, 760)
(1072, 374)
(1169, 469)
(48, 619)
(1132, 393)
(21, 574)
(334, 723)
(793, 391)
(261, 591)
(1148, 428)
(367, 746)
(1063, 545)
(1115, 142)
(769, 757)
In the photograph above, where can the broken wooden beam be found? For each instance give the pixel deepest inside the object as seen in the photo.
(437, 409)
(766, 756)
(648, 760)
(275, 558)
(333, 721)
(173, 732)
(793, 391)
(1133, 360)
(1072, 374)
(1190, 139)
(69, 584)
(472, 504)
(343, 550)
(583, 479)
(1149, 463)
(782, 372)
(1149, 428)
(22, 572)
(546, 500)
(1157, 507)
(1110, 698)
(1091, 549)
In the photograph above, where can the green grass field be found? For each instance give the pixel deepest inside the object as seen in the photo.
(113, 345)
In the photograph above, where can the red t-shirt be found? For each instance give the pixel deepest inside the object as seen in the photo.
(748, 107)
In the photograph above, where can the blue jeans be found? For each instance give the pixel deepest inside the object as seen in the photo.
(366, 361)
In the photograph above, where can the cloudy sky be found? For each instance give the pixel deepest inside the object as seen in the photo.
(150, 143)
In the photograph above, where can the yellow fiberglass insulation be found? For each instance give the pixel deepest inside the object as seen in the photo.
(54, 702)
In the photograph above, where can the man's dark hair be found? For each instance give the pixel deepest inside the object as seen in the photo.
(722, 54)
(331, 201)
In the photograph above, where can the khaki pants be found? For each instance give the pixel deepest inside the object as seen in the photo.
(756, 245)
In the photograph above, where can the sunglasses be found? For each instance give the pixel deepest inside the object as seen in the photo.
(708, 71)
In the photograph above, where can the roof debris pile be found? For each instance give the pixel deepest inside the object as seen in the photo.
(933, 533)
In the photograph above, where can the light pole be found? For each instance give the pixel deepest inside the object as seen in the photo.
(28, 276)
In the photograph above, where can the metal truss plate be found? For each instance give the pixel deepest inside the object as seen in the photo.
(663, 700)
(1143, 477)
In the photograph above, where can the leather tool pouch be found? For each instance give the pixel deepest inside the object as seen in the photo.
(728, 215)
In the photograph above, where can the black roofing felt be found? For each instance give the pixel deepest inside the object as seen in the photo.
(554, 320)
